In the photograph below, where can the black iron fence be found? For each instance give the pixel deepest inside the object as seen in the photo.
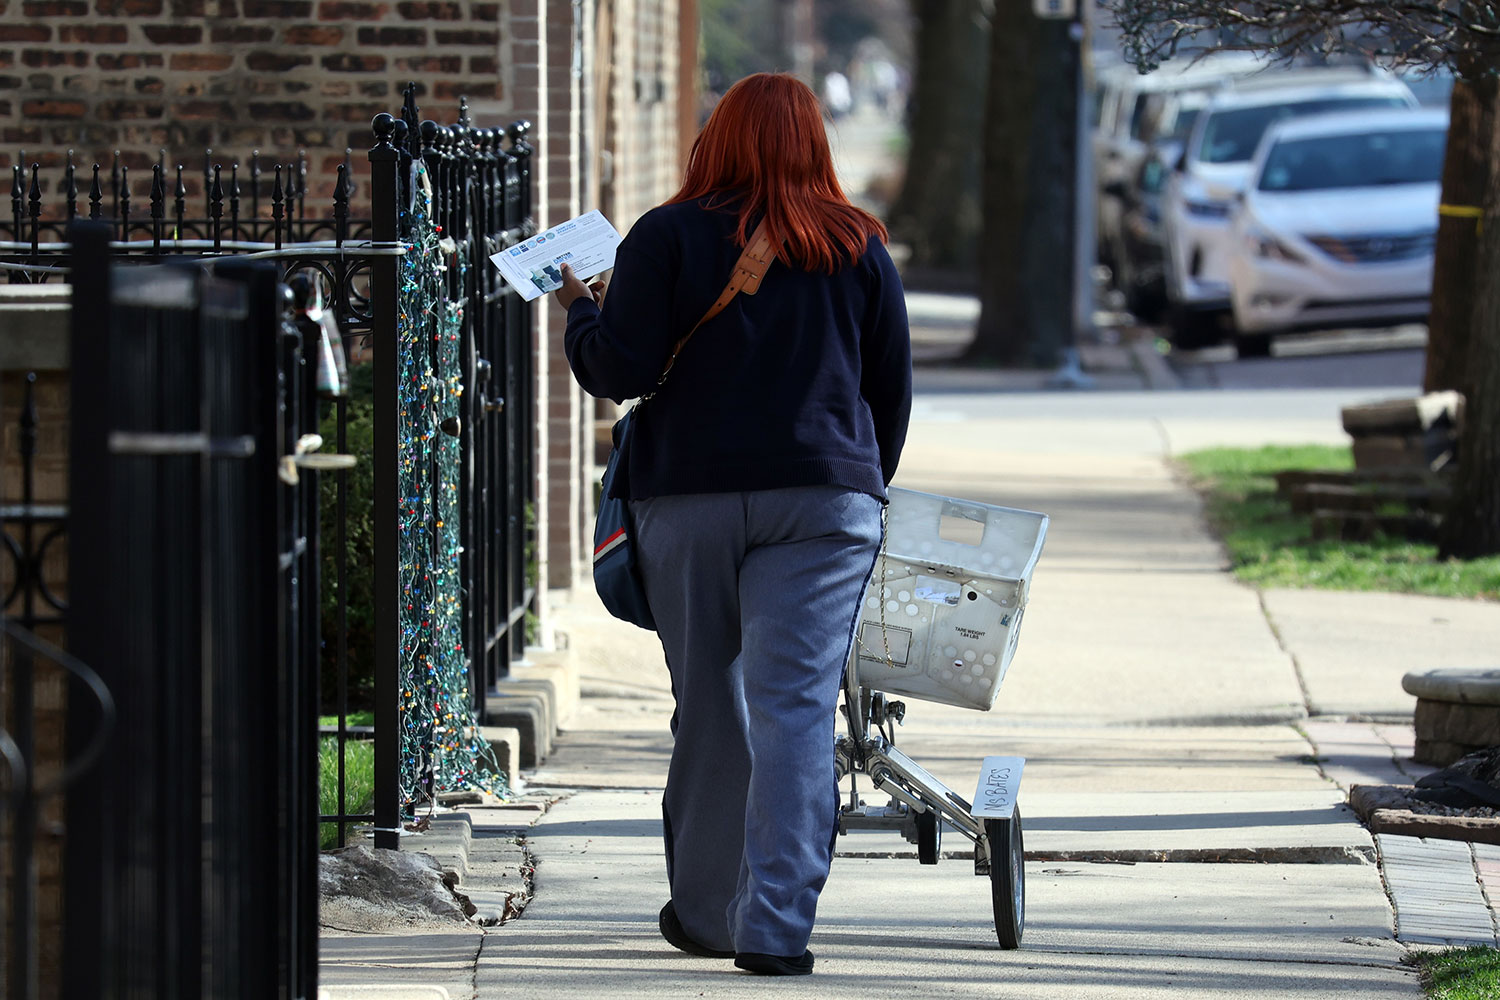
(444, 355)
(192, 585)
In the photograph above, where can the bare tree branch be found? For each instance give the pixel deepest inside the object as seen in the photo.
(1461, 35)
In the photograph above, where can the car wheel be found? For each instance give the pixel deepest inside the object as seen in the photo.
(1253, 345)
(1192, 329)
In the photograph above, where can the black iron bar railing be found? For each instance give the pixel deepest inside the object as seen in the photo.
(344, 572)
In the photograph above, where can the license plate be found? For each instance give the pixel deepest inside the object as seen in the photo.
(999, 783)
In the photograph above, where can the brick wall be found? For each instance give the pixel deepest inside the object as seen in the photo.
(232, 75)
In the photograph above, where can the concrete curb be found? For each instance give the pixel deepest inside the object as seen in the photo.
(538, 698)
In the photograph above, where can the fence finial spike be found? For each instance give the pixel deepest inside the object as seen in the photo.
(96, 195)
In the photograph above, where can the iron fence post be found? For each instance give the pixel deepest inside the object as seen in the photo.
(384, 278)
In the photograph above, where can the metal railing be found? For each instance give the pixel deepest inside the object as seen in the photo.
(194, 504)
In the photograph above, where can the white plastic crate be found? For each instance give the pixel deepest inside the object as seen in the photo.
(943, 612)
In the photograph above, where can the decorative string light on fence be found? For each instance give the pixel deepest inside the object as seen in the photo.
(441, 747)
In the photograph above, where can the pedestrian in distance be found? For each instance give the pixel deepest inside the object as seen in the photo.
(756, 478)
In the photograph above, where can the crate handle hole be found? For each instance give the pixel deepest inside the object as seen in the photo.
(957, 525)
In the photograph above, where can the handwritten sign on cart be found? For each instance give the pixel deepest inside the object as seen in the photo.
(999, 784)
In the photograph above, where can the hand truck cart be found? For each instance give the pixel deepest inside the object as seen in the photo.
(940, 622)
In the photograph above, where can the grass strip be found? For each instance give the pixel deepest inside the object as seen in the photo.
(359, 783)
(353, 719)
(1269, 545)
(1461, 974)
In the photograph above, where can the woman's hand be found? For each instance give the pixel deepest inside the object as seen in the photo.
(574, 289)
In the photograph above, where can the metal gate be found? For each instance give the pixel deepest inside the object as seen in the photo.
(193, 583)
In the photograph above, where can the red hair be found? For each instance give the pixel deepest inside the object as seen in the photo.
(765, 141)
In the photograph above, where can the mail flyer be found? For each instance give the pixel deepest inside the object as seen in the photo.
(533, 267)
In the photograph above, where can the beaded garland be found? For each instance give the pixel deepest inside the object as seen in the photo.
(441, 747)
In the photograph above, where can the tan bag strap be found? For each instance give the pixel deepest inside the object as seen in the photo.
(754, 261)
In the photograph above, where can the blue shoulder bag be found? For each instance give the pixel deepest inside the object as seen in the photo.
(617, 571)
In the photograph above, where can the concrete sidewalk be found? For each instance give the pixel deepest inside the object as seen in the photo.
(1189, 744)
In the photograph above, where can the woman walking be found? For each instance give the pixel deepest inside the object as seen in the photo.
(756, 477)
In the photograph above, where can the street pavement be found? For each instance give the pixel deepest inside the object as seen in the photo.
(1189, 742)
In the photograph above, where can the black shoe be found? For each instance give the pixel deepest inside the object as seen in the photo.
(774, 965)
(671, 929)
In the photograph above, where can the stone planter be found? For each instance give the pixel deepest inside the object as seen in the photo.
(1458, 712)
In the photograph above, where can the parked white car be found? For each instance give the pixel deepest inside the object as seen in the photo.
(1338, 224)
(1125, 99)
(1215, 167)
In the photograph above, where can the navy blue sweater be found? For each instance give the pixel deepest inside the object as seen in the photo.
(805, 383)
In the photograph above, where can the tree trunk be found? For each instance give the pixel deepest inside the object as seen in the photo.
(937, 212)
(1471, 527)
(1455, 266)
(1026, 256)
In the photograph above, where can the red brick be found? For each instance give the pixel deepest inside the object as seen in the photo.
(53, 109)
(282, 111)
(452, 90)
(430, 10)
(25, 33)
(483, 65)
(93, 34)
(174, 34)
(55, 8)
(30, 136)
(393, 36)
(43, 58)
(353, 112)
(485, 11)
(374, 88)
(333, 88)
(204, 110)
(128, 60)
(346, 62)
(276, 62)
(189, 8)
(201, 62)
(241, 34)
(310, 34)
(131, 8)
(351, 10)
(430, 64)
(149, 85)
(524, 29)
(284, 10)
(113, 111)
(467, 36)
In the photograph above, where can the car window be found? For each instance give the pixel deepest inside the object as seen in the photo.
(1344, 161)
(1230, 136)
(1137, 115)
(1183, 123)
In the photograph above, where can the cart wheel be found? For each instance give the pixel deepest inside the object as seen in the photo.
(1007, 878)
(929, 837)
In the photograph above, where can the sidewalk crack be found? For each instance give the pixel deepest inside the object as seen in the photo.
(1307, 705)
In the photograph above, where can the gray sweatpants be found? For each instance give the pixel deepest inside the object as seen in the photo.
(755, 597)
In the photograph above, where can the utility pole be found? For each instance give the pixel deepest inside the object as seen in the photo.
(1070, 374)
